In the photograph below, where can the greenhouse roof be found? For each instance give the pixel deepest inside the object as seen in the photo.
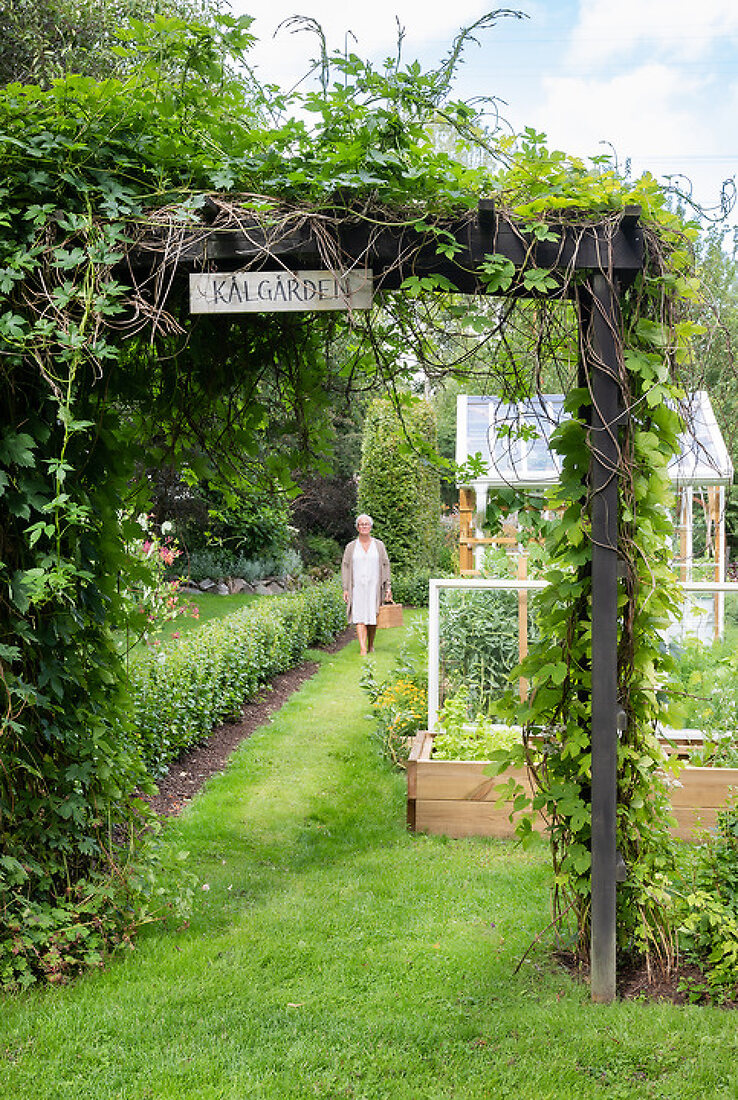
(513, 440)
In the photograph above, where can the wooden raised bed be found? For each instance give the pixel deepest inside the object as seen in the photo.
(455, 798)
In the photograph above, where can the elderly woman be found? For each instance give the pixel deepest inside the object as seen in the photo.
(365, 572)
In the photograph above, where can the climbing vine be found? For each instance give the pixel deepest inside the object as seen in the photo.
(101, 360)
(656, 337)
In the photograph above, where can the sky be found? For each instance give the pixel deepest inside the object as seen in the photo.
(655, 81)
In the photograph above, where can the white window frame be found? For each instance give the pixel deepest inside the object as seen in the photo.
(434, 621)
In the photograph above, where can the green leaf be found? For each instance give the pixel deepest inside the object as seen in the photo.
(497, 273)
(539, 279)
(18, 448)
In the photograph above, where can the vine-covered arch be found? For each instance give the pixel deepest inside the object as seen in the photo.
(97, 238)
(592, 264)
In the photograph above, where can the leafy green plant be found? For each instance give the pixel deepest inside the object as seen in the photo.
(556, 716)
(400, 699)
(150, 598)
(400, 709)
(218, 564)
(524, 509)
(703, 695)
(479, 645)
(241, 521)
(53, 940)
(459, 739)
(412, 587)
(321, 550)
(707, 907)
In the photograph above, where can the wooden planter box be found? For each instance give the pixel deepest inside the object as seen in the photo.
(455, 797)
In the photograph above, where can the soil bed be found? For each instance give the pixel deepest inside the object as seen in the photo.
(634, 982)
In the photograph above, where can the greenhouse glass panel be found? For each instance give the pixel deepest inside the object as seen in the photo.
(704, 458)
(514, 441)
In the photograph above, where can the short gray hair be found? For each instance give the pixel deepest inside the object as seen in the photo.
(364, 516)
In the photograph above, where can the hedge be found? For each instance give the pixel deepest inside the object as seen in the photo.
(412, 588)
(183, 688)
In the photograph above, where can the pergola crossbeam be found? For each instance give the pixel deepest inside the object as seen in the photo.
(396, 251)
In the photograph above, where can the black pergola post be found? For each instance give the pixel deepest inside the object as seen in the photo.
(602, 352)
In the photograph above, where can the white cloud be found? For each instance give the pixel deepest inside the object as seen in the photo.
(674, 29)
(652, 116)
(643, 111)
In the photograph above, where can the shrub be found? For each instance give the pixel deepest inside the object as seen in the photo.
(708, 909)
(219, 563)
(398, 488)
(411, 588)
(182, 688)
(246, 521)
(52, 938)
(321, 550)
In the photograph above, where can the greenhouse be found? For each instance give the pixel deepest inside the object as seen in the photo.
(513, 440)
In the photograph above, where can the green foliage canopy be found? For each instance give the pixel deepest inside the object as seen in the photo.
(45, 39)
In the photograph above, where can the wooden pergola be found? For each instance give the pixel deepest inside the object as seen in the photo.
(591, 265)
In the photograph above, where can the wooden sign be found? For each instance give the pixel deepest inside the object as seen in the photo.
(279, 291)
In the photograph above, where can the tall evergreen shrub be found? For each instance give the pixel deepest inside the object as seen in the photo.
(398, 486)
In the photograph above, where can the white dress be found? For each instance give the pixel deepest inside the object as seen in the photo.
(366, 584)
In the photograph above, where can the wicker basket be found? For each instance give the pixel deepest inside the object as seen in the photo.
(389, 614)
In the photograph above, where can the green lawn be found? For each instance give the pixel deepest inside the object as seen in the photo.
(209, 607)
(331, 954)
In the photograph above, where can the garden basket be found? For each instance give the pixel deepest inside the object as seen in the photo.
(389, 614)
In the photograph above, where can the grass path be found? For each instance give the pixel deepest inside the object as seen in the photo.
(334, 955)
